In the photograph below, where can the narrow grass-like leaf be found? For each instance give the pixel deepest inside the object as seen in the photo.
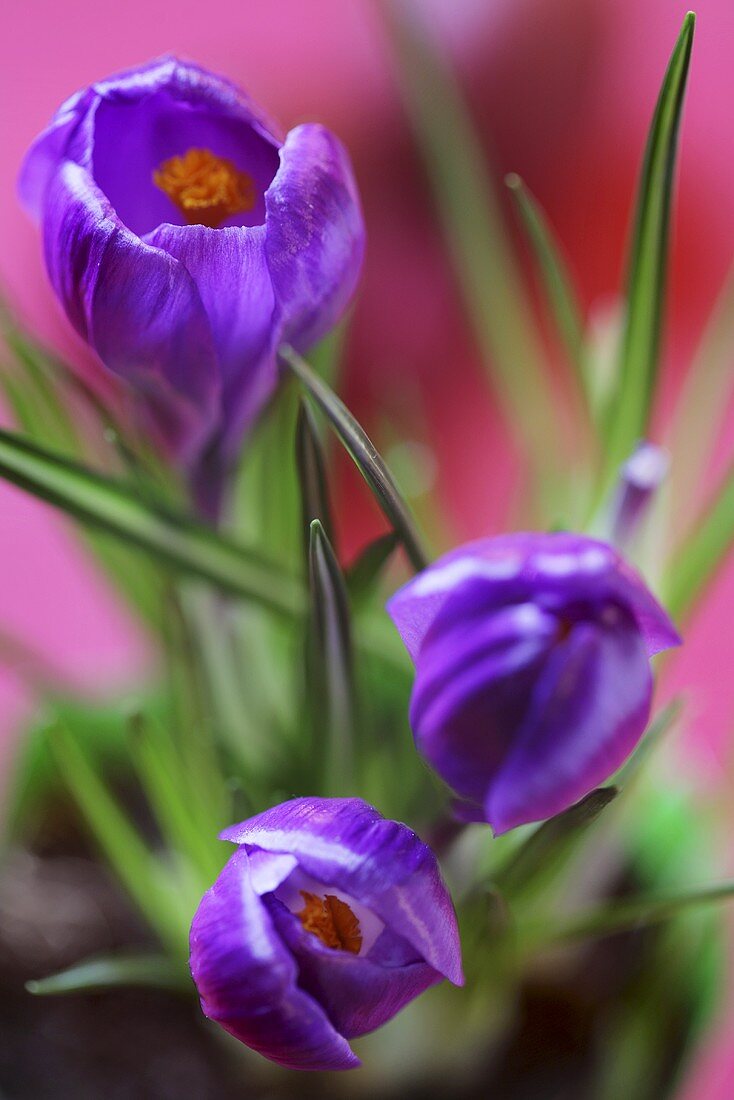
(34, 387)
(113, 972)
(364, 573)
(556, 280)
(468, 205)
(652, 737)
(331, 665)
(146, 879)
(266, 508)
(312, 475)
(622, 916)
(697, 560)
(170, 794)
(701, 407)
(551, 841)
(646, 280)
(114, 507)
(365, 455)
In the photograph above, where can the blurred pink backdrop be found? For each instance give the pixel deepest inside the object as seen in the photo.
(562, 90)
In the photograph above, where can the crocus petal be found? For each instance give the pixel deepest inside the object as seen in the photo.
(346, 843)
(189, 83)
(473, 682)
(515, 568)
(589, 708)
(315, 233)
(137, 306)
(247, 979)
(42, 159)
(357, 993)
(132, 137)
(639, 482)
(242, 324)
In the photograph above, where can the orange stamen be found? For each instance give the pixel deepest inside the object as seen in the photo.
(332, 921)
(206, 188)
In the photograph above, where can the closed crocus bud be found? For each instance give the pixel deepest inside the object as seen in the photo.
(533, 681)
(186, 240)
(325, 922)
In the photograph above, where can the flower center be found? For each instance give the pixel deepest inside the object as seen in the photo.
(332, 921)
(206, 188)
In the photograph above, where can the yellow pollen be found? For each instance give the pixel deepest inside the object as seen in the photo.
(206, 188)
(332, 921)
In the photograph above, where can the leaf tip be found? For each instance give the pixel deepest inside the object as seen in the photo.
(513, 181)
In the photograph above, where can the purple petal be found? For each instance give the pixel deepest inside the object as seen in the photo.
(269, 870)
(589, 708)
(315, 233)
(48, 150)
(247, 978)
(242, 324)
(357, 993)
(474, 678)
(138, 307)
(639, 481)
(553, 570)
(132, 138)
(192, 85)
(345, 842)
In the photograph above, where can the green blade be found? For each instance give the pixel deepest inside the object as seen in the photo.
(113, 972)
(696, 562)
(637, 913)
(646, 281)
(147, 881)
(496, 301)
(700, 409)
(653, 735)
(556, 279)
(551, 841)
(364, 573)
(364, 454)
(311, 466)
(331, 666)
(114, 507)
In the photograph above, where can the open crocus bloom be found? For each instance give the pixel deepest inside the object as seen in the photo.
(533, 680)
(325, 922)
(186, 239)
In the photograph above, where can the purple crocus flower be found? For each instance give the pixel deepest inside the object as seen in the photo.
(187, 239)
(325, 922)
(533, 681)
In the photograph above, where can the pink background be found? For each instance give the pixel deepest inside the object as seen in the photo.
(562, 91)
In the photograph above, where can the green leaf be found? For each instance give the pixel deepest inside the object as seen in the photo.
(330, 666)
(655, 732)
(557, 283)
(116, 508)
(550, 843)
(365, 455)
(266, 508)
(99, 728)
(635, 913)
(496, 302)
(700, 409)
(696, 562)
(111, 972)
(33, 387)
(147, 880)
(646, 280)
(312, 475)
(174, 799)
(364, 573)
